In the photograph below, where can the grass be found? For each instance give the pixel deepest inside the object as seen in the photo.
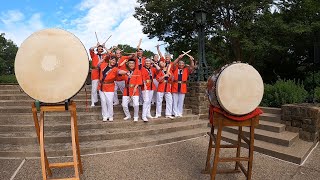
(8, 79)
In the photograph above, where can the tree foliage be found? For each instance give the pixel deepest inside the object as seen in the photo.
(8, 51)
(276, 37)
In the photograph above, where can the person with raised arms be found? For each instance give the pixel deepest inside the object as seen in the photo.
(108, 74)
(180, 73)
(148, 73)
(131, 92)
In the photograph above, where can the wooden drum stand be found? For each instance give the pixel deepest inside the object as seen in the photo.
(221, 121)
(45, 165)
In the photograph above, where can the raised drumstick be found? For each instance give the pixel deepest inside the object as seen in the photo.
(108, 39)
(138, 47)
(186, 53)
(96, 37)
(161, 44)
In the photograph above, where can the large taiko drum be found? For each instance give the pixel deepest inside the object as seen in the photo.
(237, 88)
(51, 65)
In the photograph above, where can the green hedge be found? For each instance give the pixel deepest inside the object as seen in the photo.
(8, 79)
(283, 92)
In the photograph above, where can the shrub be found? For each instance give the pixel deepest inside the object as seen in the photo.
(8, 79)
(308, 82)
(283, 92)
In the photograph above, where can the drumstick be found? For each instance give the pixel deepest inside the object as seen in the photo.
(186, 53)
(161, 44)
(128, 53)
(138, 47)
(108, 39)
(96, 37)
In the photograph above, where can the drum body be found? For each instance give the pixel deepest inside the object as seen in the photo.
(237, 88)
(51, 65)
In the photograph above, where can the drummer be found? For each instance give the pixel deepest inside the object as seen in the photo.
(164, 89)
(108, 74)
(133, 79)
(166, 59)
(148, 73)
(180, 73)
(120, 84)
(155, 64)
(140, 62)
(96, 59)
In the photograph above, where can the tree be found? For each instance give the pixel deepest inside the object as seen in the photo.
(8, 51)
(229, 25)
(276, 37)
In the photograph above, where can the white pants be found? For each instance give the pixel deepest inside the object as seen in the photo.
(106, 104)
(168, 98)
(125, 102)
(118, 85)
(154, 98)
(140, 96)
(147, 96)
(178, 99)
(94, 91)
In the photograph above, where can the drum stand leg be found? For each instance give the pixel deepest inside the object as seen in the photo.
(40, 135)
(45, 166)
(238, 147)
(208, 166)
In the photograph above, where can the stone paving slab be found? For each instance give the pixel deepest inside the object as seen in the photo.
(182, 160)
(8, 167)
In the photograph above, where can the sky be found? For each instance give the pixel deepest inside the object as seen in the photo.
(19, 19)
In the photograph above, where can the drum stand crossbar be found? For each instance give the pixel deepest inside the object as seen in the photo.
(45, 165)
(221, 121)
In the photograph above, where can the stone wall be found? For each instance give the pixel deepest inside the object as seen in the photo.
(302, 118)
(197, 100)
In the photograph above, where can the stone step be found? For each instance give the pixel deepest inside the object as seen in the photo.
(17, 87)
(83, 124)
(9, 87)
(80, 108)
(91, 147)
(271, 117)
(28, 102)
(296, 153)
(58, 117)
(26, 97)
(284, 138)
(25, 138)
(271, 110)
(271, 126)
(18, 90)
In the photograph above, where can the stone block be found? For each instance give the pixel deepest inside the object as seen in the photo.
(306, 136)
(286, 118)
(295, 111)
(292, 129)
(311, 128)
(306, 121)
(304, 112)
(296, 124)
(313, 113)
(288, 123)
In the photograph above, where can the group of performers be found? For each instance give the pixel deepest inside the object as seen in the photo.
(141, 80)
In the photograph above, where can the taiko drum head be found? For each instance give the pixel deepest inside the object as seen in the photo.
(238, 88)
(51, 65)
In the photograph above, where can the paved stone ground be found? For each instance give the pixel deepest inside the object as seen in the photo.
(182, 160)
